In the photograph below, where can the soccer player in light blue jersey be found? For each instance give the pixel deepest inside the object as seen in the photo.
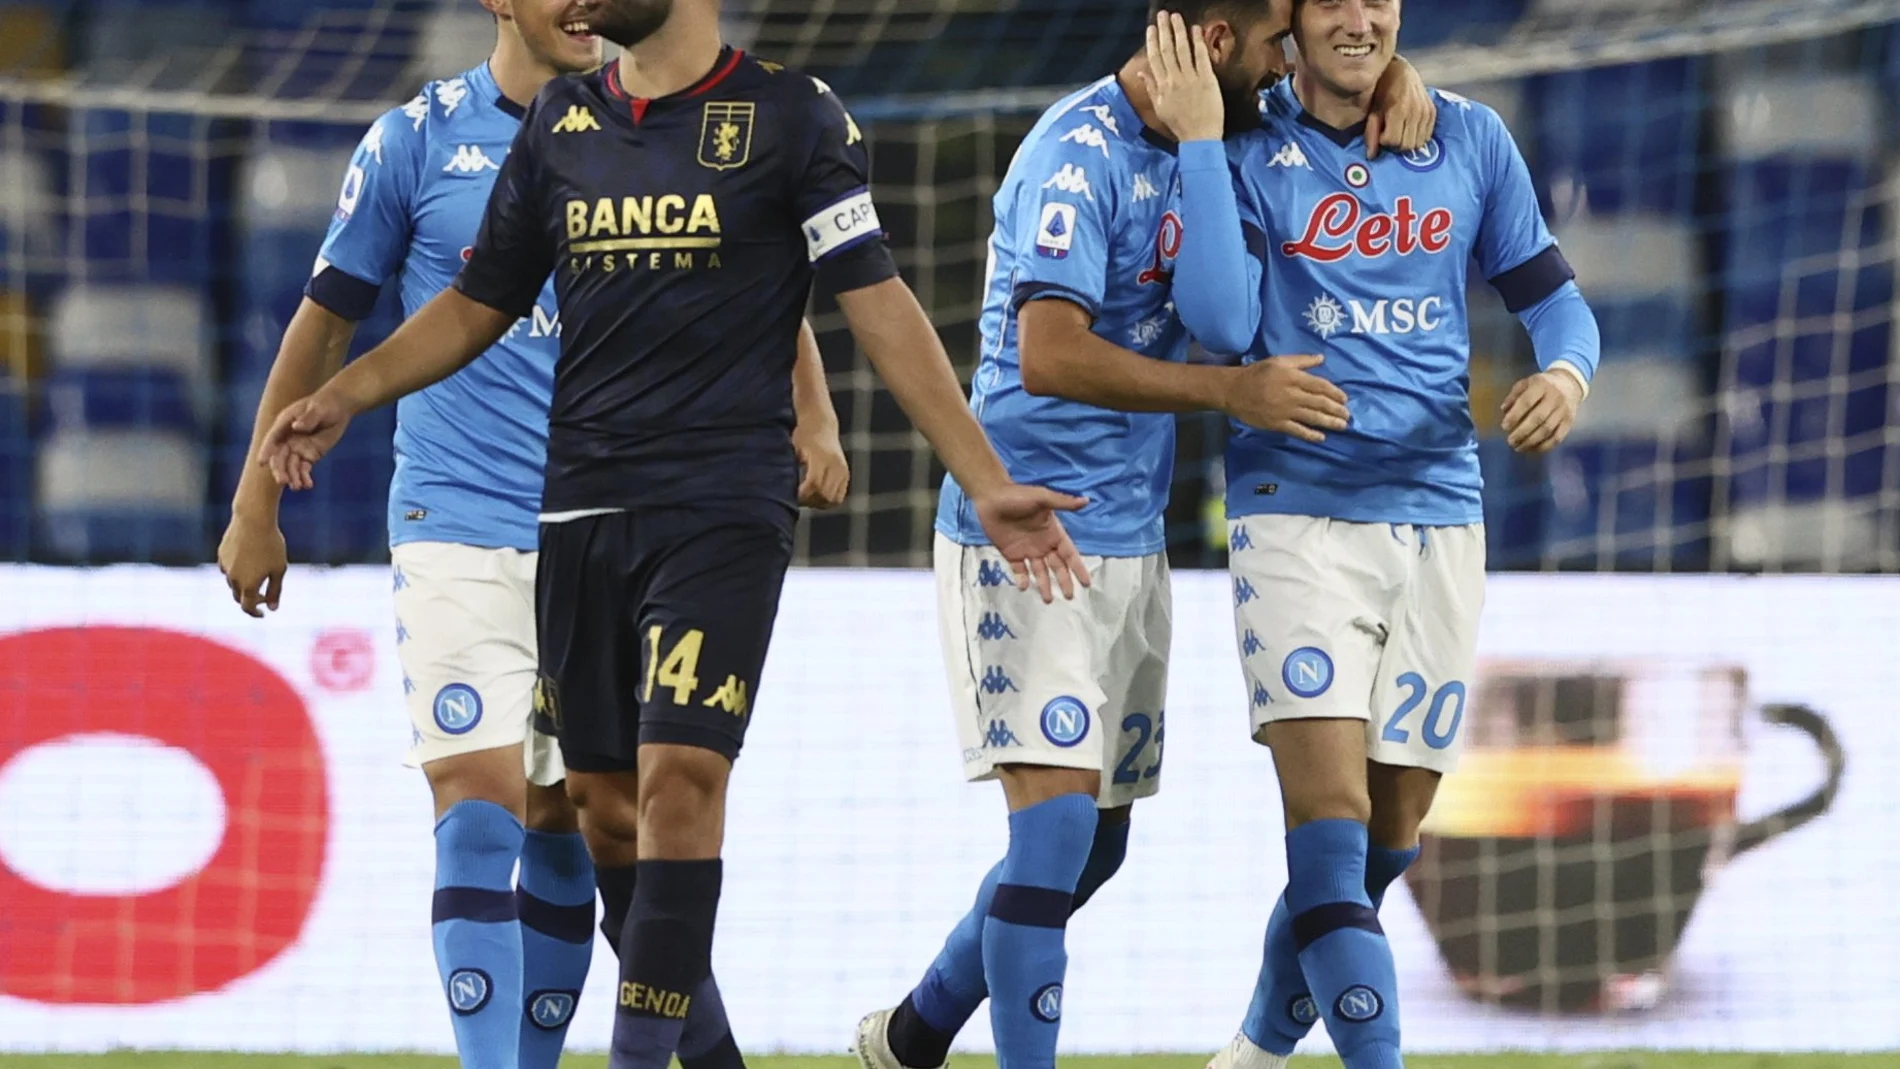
(1358, 560)
(470, 451)
(1082, 370)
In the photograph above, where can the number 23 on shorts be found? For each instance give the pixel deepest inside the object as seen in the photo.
(678, 671)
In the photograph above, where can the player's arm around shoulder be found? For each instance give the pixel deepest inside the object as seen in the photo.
(1521, 259)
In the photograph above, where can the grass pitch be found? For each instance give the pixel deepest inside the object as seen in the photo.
(1622, 1060)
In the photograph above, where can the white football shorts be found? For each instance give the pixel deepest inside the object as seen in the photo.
(1072, 684)
(1368, 621)
(465, 639)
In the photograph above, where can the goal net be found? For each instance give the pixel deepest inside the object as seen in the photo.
(1725, 177)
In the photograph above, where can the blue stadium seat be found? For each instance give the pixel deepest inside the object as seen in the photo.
(1630, 503)
(1624, 138)
(152, 398)
(16, 477)
(1516, 506)
(334, 49)
(156, 187)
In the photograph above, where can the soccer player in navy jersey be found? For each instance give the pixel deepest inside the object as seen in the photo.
(470, 453)
(686, 197)
(1358, 560)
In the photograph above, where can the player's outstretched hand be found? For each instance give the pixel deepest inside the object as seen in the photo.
(303, 433)
(1281, 394)
(253, 559)
(1180, 80)
(1540, 410)
(1022, 525)
(827, 475)
(1403, 113)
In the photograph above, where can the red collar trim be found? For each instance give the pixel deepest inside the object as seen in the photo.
(728, 62)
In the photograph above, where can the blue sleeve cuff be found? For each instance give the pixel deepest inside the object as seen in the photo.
(1564, 330)
(1216, 289)
(1036, 291)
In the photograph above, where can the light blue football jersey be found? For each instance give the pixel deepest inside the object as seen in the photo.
(1090, 213)
(1366, 263)
(470, 450)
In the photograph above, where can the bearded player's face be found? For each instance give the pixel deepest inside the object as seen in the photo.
(626, 22)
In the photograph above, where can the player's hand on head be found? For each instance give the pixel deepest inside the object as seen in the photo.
(253, 558)
(1180, 80)
(1021, 523)
(303, 433)
(826, 475)
(1540, 410)
(1403, 115)
(1282, 394)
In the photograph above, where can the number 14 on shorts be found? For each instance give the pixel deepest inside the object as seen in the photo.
(678, 671)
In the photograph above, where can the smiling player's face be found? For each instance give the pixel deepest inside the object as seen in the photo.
(626, 22)
(1347, 44)
(556, 35)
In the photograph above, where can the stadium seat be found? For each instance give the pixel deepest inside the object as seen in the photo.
(28, 211)
(22, 337)
(1642, 273)
(1807, 329)
(101, 326)
(16, 476)
(1632, 503)
(1619, 139)
(345, 50)
(31, 41)
(153, 190)
(122, 495)
(148, 398)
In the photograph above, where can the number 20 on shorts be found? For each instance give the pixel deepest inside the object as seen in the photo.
(1443, 717)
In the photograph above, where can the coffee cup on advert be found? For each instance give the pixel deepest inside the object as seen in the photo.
(1595, 802)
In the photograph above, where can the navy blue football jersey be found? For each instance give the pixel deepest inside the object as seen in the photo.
(684, 234)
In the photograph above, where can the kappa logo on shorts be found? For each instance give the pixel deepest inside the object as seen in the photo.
(552, 1009)
(1065, 722)
(1250, 644)
(1243, 592)
(1239, 539)
(999, 736)
(993, 627)
(1308, 671)
(997, 681)
(991, 573)
(1261, 699)
(547, 700)
(457, 708)
(1359, 1004)
(1046, 1003)
(469, 990)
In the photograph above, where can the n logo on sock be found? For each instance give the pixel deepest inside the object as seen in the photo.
(1047, 1004)
(1359, 1004)
(651, 1001)
(551, 1009)
(469, 991)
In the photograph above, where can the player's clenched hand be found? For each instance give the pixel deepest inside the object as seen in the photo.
(1540, 410)
(1403, 113)
(1022, 525)
(1280, 394)
(303, 433)
(827, 476)
(1180, 80)
(253, 559)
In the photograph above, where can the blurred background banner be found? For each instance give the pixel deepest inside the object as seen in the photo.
(1672, 829)
(1722, 174)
